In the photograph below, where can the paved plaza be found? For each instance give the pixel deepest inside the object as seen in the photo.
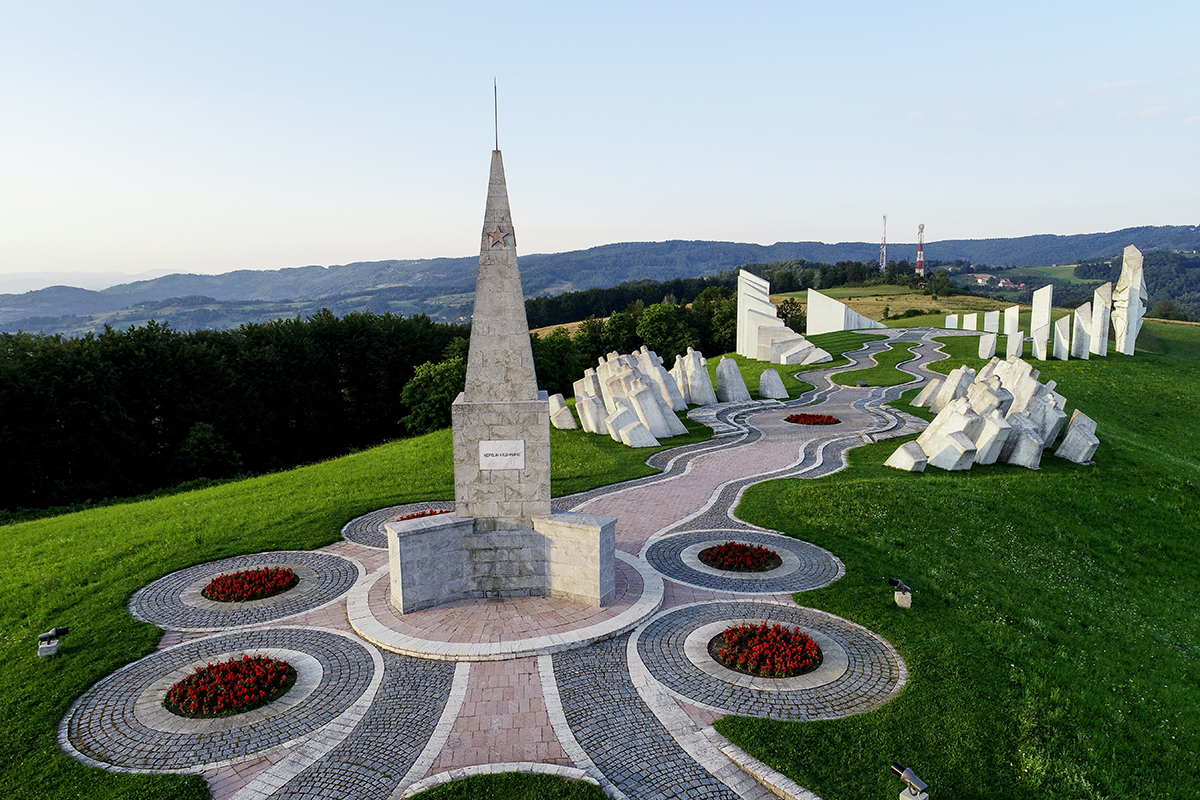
(623, 695)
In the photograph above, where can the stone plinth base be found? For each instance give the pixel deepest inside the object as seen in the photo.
(502, 460)
(440, 559)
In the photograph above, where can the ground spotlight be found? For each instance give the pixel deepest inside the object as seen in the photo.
(48, 641)
(903, 593)
(914, 787)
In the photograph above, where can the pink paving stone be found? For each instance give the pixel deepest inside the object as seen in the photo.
(503, 719)
(641, 511)
(678, 594)
(224, 782)
(502, 620)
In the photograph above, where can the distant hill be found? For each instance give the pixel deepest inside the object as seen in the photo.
(443, 288)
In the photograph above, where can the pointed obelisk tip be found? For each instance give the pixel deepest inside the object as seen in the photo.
(496, 105)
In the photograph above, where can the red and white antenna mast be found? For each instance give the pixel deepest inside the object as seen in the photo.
(921, 249)
(883, 247)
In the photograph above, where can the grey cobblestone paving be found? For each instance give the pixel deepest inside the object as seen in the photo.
(620, 734)
(818, 567)
(168, 603)
(875, 673)
(387, 742)
(368, 531)
(103, 726)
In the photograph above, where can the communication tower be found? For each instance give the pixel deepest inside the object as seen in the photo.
(921, 250)
(883, 247)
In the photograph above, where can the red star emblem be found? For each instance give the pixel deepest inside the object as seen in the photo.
(498, 235)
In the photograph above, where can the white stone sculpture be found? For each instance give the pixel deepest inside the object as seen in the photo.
(1039, 326)
(987, 345)
(1081, 336)
(758, 322)
(908, 457)
(560, 414)
(700, 387)
(1062, 338)
(1129, 301)
(952, 322)
(991, 321)
(1101, 314)
(731, 388)
(770, 386)
(1002, 414)
(970, 322)
(1079, 442)
(635, 435)
(1015, 340)
(826, 315)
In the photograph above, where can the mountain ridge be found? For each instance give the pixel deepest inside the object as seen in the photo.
(442, 287)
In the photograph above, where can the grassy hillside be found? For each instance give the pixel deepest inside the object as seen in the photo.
(79, 570)
(1054, 639)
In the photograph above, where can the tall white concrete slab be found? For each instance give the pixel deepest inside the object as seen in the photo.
(1039, 326)
(1101, 313)
(1081, 336)
(1062, 338)
(991, 321)
(952, 322)
(755, 313)
(1015, 340)
(970, 322)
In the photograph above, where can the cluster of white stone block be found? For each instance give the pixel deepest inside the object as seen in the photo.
(633, 399)
(1003, 414)
(762, 335)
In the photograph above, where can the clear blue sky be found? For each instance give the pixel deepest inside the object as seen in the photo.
(206, 137)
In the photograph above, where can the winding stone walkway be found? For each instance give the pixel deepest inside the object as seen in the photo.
(627, 705)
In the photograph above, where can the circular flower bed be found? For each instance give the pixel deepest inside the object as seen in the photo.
(812, 419)
(251, 584)
(231, 687)
(429, 512)
(766, 650)
(740, 557)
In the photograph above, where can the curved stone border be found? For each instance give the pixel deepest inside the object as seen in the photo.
(173, 602)
(367, 625)
(805, 565)
(532, 767)
(833, 663)
(368, 531)
(690, 556)
(110, 726)
(874, 672)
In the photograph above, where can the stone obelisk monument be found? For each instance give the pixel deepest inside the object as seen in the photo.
(501, 421)
(502, 540)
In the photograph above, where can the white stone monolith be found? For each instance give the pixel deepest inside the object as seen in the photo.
(992, 437)
(560, 414)
(1129, 301)
(908, 457)
(591, 413)
(731, 387)
(952, 322)
(1062, 338)
(621, 418)
(651, 367)
(1081, 336)
(1014, 339)
(953, 387)
(1101, 314)
(770, 386)
(758, 322)
(1024, 445)
(700, 387)
(970, 322)
(991, 321)
(1039, 325)
(927, 393)
(987, 345)
(1079, 442)
(635, 435)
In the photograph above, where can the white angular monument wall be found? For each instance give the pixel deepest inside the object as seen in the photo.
(826, 315)
(1039, 326)
(1101, 313)
(756, 311)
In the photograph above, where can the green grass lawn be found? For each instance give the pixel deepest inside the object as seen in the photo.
(514, 786)
(884, 373)
(79, 570)
(1054, 639)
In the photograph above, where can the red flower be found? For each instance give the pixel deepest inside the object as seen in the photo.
(766, 650)
(230, 687)
(429, 512)
(253, 584)
(812, 419)
(740, 557)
